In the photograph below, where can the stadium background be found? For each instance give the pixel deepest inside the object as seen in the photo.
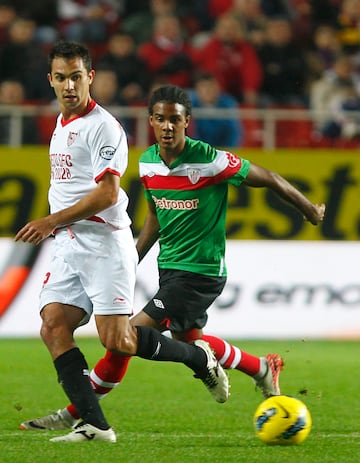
(286, 277)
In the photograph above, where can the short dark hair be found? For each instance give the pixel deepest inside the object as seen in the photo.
(170, 94)
(68, 50)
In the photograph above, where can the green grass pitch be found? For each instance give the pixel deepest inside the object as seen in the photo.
(161, 414)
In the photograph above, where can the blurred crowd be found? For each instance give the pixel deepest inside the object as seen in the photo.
(227, 53)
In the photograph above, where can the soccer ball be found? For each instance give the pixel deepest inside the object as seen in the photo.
(282, 420)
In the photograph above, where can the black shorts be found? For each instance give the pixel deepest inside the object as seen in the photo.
(183, 299)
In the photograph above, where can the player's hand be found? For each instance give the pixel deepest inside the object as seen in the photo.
(317, 214)
(35, 231)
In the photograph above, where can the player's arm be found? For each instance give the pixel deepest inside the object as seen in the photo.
(149, 233)
(260, 177)
(103, 196)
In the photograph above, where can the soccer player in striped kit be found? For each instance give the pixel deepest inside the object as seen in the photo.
(186, 185)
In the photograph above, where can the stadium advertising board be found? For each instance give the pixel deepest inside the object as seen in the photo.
(333, 178)
(275, 290)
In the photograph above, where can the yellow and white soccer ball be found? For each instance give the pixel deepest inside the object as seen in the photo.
(282, 420)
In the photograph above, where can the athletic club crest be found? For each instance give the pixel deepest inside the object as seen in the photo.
(71, 138)
(193, 175)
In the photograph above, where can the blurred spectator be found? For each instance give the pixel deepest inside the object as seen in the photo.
(219, 132)
(334, 99)
(300, 16)
(140, 24)
(232, 60)
(168, 54)
(323, 51)
(44, 14)
(7, 16)
(90, 21)
(201, 11)
(348, 26)
(105, 89)
(252, 19)
(325, 12)
(12, 93)
(219, 7)
(284, 66)
(122, 58)
(276, 8)
(131, 6)
(21, 59)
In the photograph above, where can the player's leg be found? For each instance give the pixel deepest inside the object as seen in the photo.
(58, 324)
(265, 370)
(71, 308)
(149, 343)
(72, 282)
(104, 377)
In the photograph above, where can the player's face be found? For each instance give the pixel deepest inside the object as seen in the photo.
(169, 122)
(71, 83)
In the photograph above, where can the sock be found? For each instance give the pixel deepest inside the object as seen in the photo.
(73, 375)
(105, 376)
(232, 357)
(108, 373)
(152, 345)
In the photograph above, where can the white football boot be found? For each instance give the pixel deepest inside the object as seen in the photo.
(215, 378)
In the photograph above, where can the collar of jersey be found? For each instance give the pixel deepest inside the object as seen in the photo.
(91, 105)
(180, 159)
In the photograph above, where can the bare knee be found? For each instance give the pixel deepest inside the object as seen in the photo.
(53, 326)
(57, 329)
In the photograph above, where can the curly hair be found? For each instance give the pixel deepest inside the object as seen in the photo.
(170, 94)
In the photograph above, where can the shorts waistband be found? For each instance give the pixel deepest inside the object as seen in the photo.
(93, 218)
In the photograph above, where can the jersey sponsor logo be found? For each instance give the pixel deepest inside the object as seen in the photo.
(60, 173)
(60, 160)
(179, 204)
(107, 152)
(61, 164)
(71, 138)
(193, 175)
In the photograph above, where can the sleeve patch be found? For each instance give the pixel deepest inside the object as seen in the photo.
(107, 152)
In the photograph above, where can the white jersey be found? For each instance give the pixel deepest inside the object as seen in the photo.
(82, 150)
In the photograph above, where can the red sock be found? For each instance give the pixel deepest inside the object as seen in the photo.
(105, 376)
(230, 356)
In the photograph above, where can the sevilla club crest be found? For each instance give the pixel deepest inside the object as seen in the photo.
(71, 138)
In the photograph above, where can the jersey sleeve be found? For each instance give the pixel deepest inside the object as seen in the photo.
(241, 174)
(109, 150)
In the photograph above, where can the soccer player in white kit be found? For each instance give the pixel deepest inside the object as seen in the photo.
(94, 258)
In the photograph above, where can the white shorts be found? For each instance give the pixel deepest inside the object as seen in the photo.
(92, 267)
